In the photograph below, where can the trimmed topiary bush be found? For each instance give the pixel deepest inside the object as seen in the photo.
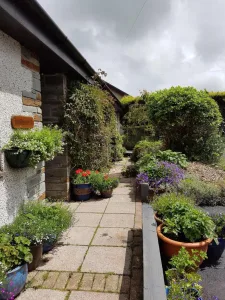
(188, 121)
(146, 147)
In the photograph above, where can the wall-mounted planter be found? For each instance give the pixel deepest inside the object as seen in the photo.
(82, 191)
(17, 159)
(15, 281)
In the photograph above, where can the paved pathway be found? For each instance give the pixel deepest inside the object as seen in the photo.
(100, 257)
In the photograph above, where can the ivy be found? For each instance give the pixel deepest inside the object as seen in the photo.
(90, 122)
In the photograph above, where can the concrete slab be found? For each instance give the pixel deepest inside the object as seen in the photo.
(45, 294)
(78, 236)
(122, 198)
(96, 296)
(107, 260)
(123, 190)
(72, 205)
(120, 208)
(117, 220)
(87, 219)
(113, 237)
(93, 206)
(64, 258)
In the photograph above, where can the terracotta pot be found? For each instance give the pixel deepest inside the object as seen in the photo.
(36, 251)
(170, 247)
(158, 220)
(106, 194)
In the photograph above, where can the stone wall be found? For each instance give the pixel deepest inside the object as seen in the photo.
(19, 95)
(54, 93)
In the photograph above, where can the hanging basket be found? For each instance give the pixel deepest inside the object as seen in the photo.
(17, 159)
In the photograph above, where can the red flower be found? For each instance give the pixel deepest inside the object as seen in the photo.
(84, 174)
(106, 177)
(88, 172)
(78, 171)
(96, 172)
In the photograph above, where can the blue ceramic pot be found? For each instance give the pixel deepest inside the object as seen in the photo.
(14, 283)
(82, 191)
(49, 244)
(215, 251)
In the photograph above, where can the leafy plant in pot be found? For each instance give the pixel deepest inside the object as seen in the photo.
(168, 204)
(82, 187)
(14, 256)
(182, 277)
(29, 147)
(193, 230)
(104, 184)
(216, 247)
(56, 217)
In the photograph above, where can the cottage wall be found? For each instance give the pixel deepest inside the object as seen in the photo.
(20, 94)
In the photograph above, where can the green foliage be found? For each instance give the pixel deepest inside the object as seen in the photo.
(183, 280)
(44, 143)
(203, 193)
(14, 251)
(81, 176)
(130, 171)
(38, 222)
(188, 121)
(171, 203)
(192, 226)
(136, 125)
(145, 147)
(117, 147)
(102, 182)
(219, 220)
(126, 100)
(90, 122)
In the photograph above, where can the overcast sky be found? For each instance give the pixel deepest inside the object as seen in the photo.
(163, 44)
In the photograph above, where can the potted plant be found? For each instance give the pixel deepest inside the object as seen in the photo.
(192, 229)
(161, 176)
(29, 147)
(216, 247)
(14, 256)
(182, 277)
(107, 185)
(169, 204)
(56, 217)
(82, 187)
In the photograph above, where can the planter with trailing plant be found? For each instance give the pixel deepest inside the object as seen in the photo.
(216, 247)
(182, 277)
(192, 229)
(26, 148)
(81, 185)
(14, 256)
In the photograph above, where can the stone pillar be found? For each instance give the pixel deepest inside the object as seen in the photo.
(54, 93)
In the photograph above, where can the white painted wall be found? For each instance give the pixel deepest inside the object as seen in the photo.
(13, 80)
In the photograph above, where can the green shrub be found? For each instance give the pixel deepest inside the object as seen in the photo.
(203, 193)
(102, 182)
(171, 203)
(129, 171)
(167, 155)
(188, 121)
(126, 100)
(146, 147)
(43, 143)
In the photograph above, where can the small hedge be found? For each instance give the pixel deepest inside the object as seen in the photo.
(146, 147)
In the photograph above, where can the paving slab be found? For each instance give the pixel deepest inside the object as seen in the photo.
(122, 198)
(73, 205)
(45, 294)
(87, 219)
(117, 220)
(113, 237)
(96, 296)
(64, 258)
(99, 282)
(78, 236)
(62, 280)
(120, 208)
(126, 190)
(93, 206)
(107, 260)
(74, 281)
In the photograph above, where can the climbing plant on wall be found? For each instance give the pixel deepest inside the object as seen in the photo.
(90, 122)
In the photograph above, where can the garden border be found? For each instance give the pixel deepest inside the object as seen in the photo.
(154, 286)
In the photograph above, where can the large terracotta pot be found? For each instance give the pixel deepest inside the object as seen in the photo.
(170, 247)
(157, 219)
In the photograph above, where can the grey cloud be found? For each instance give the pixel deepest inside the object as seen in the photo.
(173, 41)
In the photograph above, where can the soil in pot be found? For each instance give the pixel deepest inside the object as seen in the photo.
(106, 194)
(15, 282)
(36, 251)
(82, 191)
(17, 159)
(170, 247)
